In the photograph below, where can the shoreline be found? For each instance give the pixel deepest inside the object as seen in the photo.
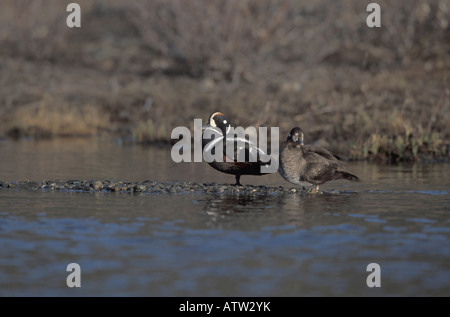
(147, 186)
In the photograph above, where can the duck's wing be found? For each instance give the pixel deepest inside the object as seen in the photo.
(320, 166)
(320, 151)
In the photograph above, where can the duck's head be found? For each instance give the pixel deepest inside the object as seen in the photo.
(295, 136)
(218, 120)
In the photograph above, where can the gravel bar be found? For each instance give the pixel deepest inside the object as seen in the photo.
(146, 187)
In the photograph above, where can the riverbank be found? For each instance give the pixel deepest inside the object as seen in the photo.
(135, 71)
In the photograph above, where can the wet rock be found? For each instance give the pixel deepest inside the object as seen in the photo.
(97, 185)
(11, 185)
(149, 187)
(141, 188)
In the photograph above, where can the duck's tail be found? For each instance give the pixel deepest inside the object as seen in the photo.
(350, 177)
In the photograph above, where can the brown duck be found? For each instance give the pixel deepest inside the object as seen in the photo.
(308, 164)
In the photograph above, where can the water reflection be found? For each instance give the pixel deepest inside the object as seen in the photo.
(297, 210)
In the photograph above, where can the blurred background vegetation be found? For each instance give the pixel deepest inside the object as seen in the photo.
(137, 69)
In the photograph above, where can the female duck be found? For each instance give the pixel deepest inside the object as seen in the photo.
(309, 165)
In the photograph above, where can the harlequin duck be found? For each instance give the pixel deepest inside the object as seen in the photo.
(308, 164)
(231, 165)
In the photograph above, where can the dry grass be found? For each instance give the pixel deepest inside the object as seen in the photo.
(140, 68)
(49, 117)
(398, 148)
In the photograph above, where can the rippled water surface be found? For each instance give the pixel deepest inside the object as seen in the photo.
(201, 244)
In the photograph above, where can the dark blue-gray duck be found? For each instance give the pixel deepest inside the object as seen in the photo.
(244, 148)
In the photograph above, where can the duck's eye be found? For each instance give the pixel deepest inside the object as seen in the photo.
(225, 121)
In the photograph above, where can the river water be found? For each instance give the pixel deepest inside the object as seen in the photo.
(200, 244)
